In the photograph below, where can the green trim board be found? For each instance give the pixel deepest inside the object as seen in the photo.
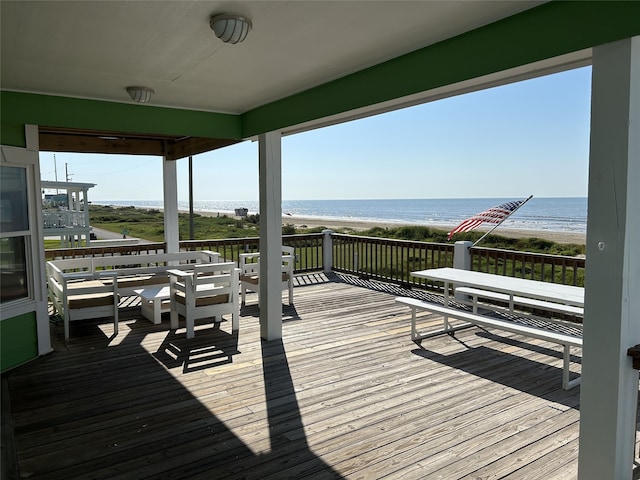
(12, 134)
(553, 29)
(18, 340)
(67, 112)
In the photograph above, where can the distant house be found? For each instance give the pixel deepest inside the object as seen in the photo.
(66, 212)
(242, 212)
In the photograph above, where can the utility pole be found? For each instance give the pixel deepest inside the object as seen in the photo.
(55, 169)
(191, 227)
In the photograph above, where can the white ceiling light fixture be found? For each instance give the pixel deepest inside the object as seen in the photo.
(229, 27)
(140, 94)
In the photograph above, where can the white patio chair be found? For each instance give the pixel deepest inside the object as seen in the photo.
(209, 291)
(250, 272)
(82, 297)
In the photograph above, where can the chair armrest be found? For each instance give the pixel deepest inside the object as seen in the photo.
(179, 273)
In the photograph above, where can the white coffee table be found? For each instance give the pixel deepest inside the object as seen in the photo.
(155, 302)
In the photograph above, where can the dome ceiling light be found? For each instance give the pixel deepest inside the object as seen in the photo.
(140, 94)
(229, 27)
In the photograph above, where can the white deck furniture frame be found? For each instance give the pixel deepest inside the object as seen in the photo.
(511, 286)
(81, 296)
(477, 295)
(473, 319)
(154, 302)
(208, 291)
(250, 272)
(513, 290)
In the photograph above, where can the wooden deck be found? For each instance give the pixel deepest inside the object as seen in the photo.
(346, 394)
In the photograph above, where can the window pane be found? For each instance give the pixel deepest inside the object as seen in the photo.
(13, 268)
(14, 216)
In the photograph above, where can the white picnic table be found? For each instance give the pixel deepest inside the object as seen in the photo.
(555, 296)
(520, 287)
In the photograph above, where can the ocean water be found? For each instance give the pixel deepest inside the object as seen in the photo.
(548, 214)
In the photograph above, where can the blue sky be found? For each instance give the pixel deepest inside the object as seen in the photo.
(530, 137)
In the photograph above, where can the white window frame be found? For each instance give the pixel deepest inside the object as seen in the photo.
(34, 243)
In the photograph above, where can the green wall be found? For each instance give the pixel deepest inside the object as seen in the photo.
(18, 340)
(12, 134)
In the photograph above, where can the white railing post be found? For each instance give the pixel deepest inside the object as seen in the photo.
(462, 255)
(327, 251)
(462, 261)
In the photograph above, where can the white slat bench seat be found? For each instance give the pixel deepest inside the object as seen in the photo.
(478, 293)
(474, 319)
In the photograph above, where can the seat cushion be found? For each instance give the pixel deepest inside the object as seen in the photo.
(249, 279)
(90, 300)
(254, 278)
(204, 301)
(157, 280)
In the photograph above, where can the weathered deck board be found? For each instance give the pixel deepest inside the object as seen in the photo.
(346, 394)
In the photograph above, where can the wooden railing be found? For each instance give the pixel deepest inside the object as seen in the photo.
(308, 249)
(386, 259)
(535, 266)
(139, 249)
(374, 258)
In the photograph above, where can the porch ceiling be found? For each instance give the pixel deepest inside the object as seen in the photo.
(94, 50)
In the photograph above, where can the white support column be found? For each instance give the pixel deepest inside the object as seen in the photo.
(37, 246)
(270, 168)
(85, 209)
(170, 193)
(608, 400)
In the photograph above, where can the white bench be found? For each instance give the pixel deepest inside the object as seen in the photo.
(120, 274)
(472, 319)
(477, 293)
(134, 271)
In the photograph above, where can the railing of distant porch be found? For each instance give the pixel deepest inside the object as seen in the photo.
(373, 258)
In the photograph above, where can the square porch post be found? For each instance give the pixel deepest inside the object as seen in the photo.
(608, 399)
(270, 169)
(170, 197)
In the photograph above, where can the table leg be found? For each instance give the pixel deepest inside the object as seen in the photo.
(445, 318)
(157, 314)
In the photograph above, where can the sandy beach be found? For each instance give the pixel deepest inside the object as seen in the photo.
(360, 225)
